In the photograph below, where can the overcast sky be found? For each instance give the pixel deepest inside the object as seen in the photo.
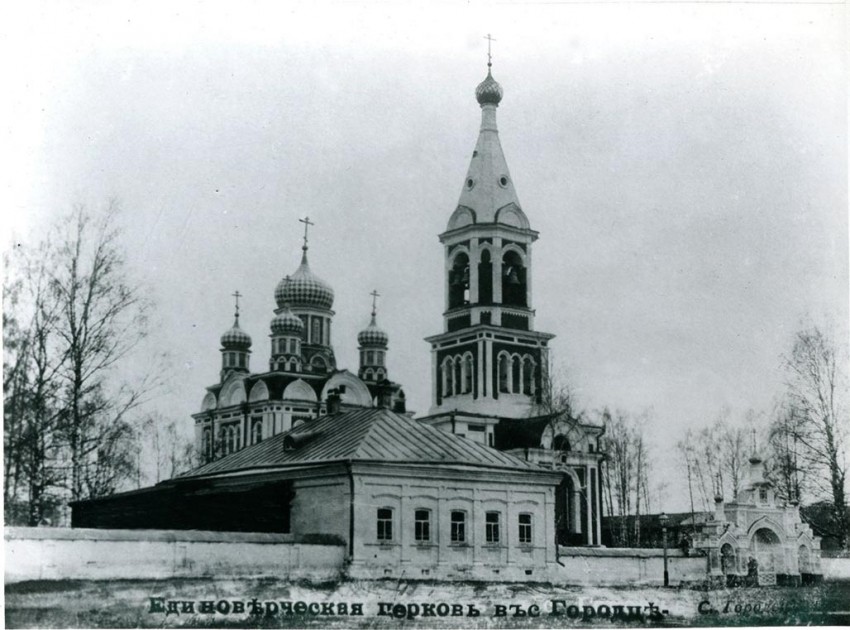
(685, 165)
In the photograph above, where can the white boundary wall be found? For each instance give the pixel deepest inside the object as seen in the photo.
(835, 568)
(101, 554)
(623, 566)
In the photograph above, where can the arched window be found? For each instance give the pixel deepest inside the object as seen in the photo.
(368, 375)
(379, 375)
(232, 439)
(561, 443)
(319, 363)
(467, 374)
(459, 281)
(448, 376)
(513, 280)
(370, 357)
(458, 376)
(504, 369)
(257, 432)
(804, 559)
(206, 448)
(485, 279)
(528, 376)
(727, 559)
(516, 374)
(317, 330)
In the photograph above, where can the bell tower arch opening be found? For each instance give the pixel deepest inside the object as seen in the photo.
(485, 278)
(514, 286)
(459, 281)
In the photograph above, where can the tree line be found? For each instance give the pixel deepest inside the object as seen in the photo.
(803, 442)
(72, 317)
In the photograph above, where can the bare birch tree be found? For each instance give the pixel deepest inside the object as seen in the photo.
(102, 318)
(816, 423)
(71, 317)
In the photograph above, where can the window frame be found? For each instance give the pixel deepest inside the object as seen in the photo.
(384, 524)
(422, 526)
(492, 527)
(457, 528)
(525, 530)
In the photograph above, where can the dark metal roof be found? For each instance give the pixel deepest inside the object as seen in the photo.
(527, 432)
(373, 434)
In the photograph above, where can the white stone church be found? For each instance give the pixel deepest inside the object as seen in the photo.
(485, 486)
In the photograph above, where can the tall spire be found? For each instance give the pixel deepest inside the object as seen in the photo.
(488, 187)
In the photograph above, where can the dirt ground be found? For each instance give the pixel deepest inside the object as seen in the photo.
(270, 603)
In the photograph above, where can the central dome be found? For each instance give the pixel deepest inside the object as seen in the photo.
(304, 288)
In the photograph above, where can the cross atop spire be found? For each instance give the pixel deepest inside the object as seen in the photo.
(375, 295)
(307, 223)
(237, 295)
(490, 41)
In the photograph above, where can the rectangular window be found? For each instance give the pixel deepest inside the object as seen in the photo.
(525, 529)
(385, 524)
(492, 527)
(422, 525)
(458, 530)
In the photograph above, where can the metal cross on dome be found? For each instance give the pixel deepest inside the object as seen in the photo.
(375, 295)
(307, 223)
(490, 41)
(237, 295)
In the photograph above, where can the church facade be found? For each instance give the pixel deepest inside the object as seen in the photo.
(244, 408)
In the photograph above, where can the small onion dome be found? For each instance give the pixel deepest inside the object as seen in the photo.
(372, 335)
(236, 338)
(304, 288)
(488, 91)
(287, 323)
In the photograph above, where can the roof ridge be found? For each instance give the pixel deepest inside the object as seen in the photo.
(373, 418)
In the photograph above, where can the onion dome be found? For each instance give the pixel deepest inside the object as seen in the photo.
(236, 338)
(488, 92)
(287, 323)
(304, 288)
(372, 335)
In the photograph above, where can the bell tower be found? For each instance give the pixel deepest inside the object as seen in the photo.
(488, 359)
